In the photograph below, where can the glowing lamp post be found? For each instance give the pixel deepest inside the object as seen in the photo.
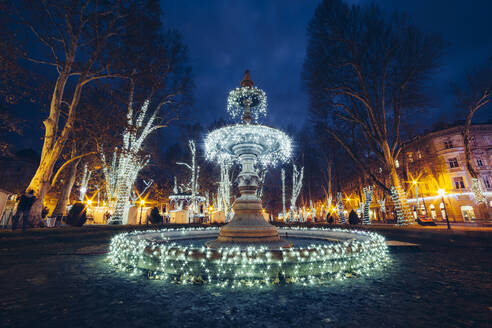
(414, 182)
(441, 193)
(142, 203)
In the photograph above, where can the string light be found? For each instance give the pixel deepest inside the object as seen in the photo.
(367, 204)
(252, 97)
(275, 146)
(157, 254)
(402, 211)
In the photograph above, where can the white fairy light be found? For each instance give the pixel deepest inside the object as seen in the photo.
(367, 203)
(402, 211)
(478, 192)
(340, 209)
(297, 177)
(276, 146)
(247, 96)
(86, 176)
(156, 253)
(127, 161)
(283, 193)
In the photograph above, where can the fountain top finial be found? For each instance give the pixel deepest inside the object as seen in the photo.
(247, 82)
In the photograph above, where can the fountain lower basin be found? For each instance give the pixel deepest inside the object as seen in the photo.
(182, 256)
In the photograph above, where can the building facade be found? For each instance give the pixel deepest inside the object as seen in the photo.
(436, 162)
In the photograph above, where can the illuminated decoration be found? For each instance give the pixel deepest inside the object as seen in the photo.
(402, 211)
(247, 102)
(192, 186)
(340, 210)
(224, 190)
(86, 176)
(478, 192)
(297, 177)
(160, 255)
(382, 205)
(128, 160)
(282, 174)
(134, 195)
(276, 146)
(110, 174)
(367, 203)
(182, 201)
(255, 147)
(451, 194)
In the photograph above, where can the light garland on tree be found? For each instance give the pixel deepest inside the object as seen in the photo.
(402, 212)
(297, 177)
(282, 175)
(195, 172)
(224, 191)
(86, 176)
(478, 191)
(367, 204)
(127, 162)
(252, 97)
(276, 145)
(157, 254)
(382, 205)
(340, 209)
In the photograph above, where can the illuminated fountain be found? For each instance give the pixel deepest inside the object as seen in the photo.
(248, 250)
(250, 145)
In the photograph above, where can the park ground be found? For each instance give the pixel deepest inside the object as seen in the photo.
(59, 277)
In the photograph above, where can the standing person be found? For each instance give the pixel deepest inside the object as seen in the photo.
(23, 209)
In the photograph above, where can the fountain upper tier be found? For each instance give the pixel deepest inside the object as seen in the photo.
(268, 144)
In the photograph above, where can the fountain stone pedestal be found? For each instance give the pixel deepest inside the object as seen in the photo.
(248, 226)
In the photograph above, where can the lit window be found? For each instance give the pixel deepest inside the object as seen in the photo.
(486, 181)
(419, 155)
(448, 144)
(453, 162)
(459, 183)
(410, 157)
(479, 162)
(397, 164)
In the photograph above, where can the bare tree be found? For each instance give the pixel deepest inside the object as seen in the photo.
(475, 94)
(365, 72)
(75, 35)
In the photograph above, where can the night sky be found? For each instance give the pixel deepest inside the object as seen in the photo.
(269, 37)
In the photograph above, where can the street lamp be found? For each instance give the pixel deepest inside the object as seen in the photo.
(142, 203)
(414, 182)
(441, 193)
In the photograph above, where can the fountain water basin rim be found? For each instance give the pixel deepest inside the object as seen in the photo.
(331, 254)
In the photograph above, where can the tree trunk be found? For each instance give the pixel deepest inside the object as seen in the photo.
(466, 142)
(330, 164)
(120, 215)
(64, 199)
(395, 179)
(50, 152)
(482, 207)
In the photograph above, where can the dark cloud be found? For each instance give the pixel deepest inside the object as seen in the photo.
(269, 37)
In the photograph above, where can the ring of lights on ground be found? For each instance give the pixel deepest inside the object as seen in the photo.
(180, 255)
